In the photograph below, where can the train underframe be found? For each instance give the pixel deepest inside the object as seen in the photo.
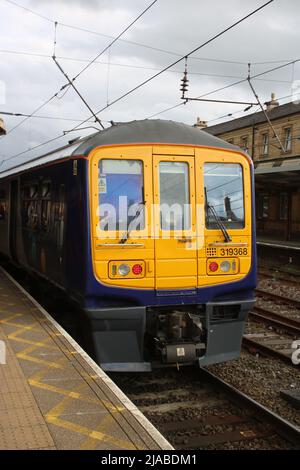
(143, 338)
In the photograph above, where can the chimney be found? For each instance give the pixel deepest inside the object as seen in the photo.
(2, 127)
(200, 124)
(272, 104)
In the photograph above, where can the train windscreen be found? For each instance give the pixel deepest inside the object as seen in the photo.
(224, 193)
(121, 194)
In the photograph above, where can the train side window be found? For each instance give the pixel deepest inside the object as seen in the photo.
(3, 204)
(30, 216)
(46, 206)
(283, 206)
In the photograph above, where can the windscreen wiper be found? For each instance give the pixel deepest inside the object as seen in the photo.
(126, 235)
(218, 221)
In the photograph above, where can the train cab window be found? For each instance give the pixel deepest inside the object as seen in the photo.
(121, 194)
(224, 193)
(174, 195)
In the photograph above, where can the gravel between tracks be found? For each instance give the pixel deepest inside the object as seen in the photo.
(262, 379)
(280, 287)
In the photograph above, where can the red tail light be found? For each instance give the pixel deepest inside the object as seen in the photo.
(213, 267)
(137, 269)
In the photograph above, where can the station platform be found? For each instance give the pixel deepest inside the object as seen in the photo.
(52, 394)
(282, 244)
(279, 253)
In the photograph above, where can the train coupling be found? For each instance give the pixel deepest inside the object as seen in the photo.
(179, 337)
(181, 353)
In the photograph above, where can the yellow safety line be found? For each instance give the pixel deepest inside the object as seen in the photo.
(35, 381)
(13, 336)
(91, 443)
(5, 320)
(52, 417)
(24, 354)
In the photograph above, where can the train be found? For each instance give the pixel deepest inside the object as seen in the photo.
(149, 228)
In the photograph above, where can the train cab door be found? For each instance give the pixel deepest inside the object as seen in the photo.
(175, 222)
(122, 216)
(13, 219)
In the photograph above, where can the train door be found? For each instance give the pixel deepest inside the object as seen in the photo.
(175, 222)
(13, 219)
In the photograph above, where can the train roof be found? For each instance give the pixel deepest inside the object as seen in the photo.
(135, 132)
(151, 131)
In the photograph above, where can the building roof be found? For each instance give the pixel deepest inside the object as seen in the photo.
(253, 119)
(283, 172)
(135, 132)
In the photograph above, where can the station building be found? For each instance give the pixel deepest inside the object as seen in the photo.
(277, 169)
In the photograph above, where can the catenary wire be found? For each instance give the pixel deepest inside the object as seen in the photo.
(159, 73)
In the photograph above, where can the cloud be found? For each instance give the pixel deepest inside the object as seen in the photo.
(172, 26)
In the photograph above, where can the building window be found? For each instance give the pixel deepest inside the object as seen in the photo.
(283, 206)
(288, 139)
(265, 145)
(263, 206)
(244, 143)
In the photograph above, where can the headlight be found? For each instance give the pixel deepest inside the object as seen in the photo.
(225, 266)
(124, 269)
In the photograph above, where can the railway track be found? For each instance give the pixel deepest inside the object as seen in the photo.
(277, 332)
(277, 298)
(269, 344)
(195, 409)
(280, 276)
(275, 320)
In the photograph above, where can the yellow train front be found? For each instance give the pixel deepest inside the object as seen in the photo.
(154, 239)
(173, 246)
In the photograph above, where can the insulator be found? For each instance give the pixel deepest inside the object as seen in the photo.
(184, 84)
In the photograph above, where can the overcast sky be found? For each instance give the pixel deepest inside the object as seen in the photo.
(170, 27)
